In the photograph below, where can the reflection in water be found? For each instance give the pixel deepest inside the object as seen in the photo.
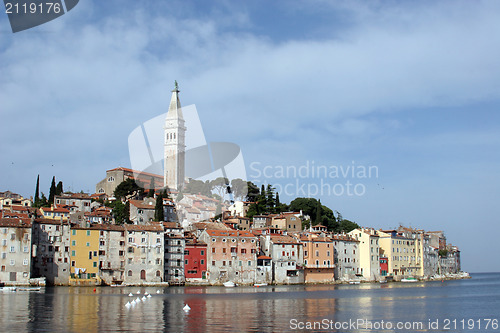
(244, 309)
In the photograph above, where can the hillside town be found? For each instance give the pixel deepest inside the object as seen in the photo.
(77, 241)
(141, 228)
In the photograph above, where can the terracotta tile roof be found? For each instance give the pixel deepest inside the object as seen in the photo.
(171, 225)
(150, 227)
(15, 222)
(230, 233)
(140, 173)
(281, 239)
(54, 210)
(264, 257)
(210, 225)
(140, 204)
(14, 215)
(345, 238)
(108, 227)
(81, 196)
(49, 221)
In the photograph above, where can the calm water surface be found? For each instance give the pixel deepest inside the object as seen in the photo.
(264, 309)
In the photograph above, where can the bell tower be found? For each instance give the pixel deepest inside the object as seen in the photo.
(174, 143)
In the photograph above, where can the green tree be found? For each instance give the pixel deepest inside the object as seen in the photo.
(127, 189)
(43, 201)
(37, 192)
(59, 188)
(317, 219)
(220, 185)
(52, 191)
(270, 203)
(194, 186)
(252, 192)
(151, 192)
(159, 214)
(347, 226)
(120, 211)
(239, 188)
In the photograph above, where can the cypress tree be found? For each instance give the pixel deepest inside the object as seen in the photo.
(159, 216)
(318, 212)
(37, 191)
(59, 188)
(278, 204)
(52, 191)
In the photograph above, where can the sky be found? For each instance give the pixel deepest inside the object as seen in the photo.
(408, 89)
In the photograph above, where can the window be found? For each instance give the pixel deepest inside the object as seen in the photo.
(73, 253)
(224, 250)
(202, 262)
(95, 263)
(202, 252)
(88, 232)
(26, 249)
(25, 262)
(243, 251)
(130, 250)
(317, 253)
(249, 263)
(223, 263)
(130, 240)
(12, 262)
(88, 244)
(121, 253)
(129, 273)
(305, 253)
(213, 250)
(74, 232)
(213, 262)
(12, 249)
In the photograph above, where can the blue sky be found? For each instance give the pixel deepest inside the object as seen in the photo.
(412, 88)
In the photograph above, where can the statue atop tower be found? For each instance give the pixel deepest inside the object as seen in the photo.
(174, 143)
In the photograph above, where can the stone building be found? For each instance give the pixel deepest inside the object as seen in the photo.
(112, 253)
(144, 254)
(287, 257)
(142, 211)
(51, 251)
(346, 257)
(232, 256)
(175, 244)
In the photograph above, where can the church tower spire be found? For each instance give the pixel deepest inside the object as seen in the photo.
(174, 143)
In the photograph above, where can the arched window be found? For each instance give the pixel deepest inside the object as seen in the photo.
(129, 273)
(158, 273)
(143, 275)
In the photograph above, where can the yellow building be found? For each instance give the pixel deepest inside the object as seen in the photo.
(84, 247)
(404, 253)
(55, 213)
(369, 259)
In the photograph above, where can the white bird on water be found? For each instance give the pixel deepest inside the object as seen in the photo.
(138, 292)
(186, 308)
(149, 295)
(158, 291)
(130, 295)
